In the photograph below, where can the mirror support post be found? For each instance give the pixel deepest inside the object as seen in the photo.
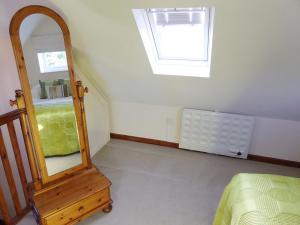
(20, 103)
(81, 92)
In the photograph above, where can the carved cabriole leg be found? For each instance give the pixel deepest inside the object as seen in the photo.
(20, 103)
(81, 91)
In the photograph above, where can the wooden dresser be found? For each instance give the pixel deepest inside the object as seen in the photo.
(70, 201)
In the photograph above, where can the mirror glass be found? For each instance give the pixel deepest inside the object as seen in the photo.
(46, 63)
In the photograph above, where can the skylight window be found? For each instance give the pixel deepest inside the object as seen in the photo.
(52, 61)
(177, 40)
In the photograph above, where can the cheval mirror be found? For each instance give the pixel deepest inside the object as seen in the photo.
(55, 117)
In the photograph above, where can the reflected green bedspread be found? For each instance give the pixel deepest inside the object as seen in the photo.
(57, 127)
(260, 199)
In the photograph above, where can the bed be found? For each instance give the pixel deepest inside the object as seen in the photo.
(260, 199)
(57, 126)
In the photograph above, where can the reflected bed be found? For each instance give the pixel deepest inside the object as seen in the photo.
(57, 126)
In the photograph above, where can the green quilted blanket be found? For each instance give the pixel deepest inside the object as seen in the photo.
(260, 199)
(57, 128)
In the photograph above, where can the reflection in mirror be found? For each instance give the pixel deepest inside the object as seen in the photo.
(46, 64)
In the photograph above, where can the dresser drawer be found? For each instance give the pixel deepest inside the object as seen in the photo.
(79, 209)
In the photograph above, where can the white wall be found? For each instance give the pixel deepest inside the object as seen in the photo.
(97, 115)
(272, 137)
(276, 138)
(142, 120)
(255, 56)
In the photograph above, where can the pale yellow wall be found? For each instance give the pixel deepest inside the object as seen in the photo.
(255, 68)
(255, 56)
(275, 138)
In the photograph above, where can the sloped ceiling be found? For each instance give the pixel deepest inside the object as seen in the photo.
(255, 56)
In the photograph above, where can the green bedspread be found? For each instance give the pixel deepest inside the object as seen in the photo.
(260, 199)
(57, 127)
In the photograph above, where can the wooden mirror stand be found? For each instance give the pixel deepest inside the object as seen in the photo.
(68, 196)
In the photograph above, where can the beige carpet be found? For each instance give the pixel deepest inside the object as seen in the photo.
(154, 185)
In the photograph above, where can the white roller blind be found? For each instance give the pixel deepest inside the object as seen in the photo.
(180, 34)
(177, 16)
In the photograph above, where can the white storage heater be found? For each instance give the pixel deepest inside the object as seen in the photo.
(214, 132)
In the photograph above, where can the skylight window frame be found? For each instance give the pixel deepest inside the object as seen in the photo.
(156, 35)
(177, 67)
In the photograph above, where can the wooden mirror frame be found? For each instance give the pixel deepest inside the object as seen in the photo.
(77, 92)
